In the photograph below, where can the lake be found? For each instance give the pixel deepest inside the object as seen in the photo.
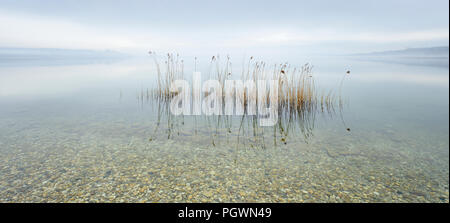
(77, 131)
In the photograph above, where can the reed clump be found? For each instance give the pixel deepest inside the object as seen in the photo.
(299, 99)
(297, 90)
(172, 70)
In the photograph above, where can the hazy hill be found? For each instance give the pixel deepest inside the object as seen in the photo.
(49, 56)
(20, 53)
(441, 51)
(432, 56)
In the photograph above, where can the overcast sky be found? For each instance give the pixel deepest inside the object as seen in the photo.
(219, 26)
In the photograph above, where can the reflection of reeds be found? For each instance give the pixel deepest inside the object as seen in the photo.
(298, 99)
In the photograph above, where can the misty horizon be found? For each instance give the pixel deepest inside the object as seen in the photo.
(199, 27)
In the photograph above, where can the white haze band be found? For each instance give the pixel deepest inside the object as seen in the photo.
(240, 98)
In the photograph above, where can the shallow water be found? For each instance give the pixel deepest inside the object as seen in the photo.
(80, 133)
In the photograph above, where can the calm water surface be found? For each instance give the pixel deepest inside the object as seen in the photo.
(82, 133)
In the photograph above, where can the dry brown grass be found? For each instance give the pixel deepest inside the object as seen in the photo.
(296, 92)
(299, 100)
